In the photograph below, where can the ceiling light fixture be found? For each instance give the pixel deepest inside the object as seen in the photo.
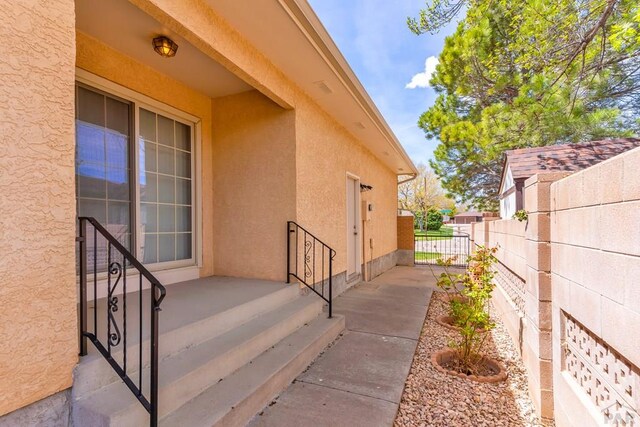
(164, 46)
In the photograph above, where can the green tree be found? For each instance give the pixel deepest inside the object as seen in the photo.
(434, 220)
(523, 73)
(421, 194)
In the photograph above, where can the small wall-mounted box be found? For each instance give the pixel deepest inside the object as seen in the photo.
(367, 209)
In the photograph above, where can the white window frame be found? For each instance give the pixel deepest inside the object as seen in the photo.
(171, 271)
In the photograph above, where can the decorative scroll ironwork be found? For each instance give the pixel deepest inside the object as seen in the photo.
(114, 349)
(611, 382)
(307, 259)
(315, 259)
(112, 304)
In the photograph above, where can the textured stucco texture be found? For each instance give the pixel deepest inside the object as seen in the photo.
(38, 333)
(324, 152)
(254, 185)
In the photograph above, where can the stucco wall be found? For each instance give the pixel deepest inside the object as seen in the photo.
(325, 150)
(254, 185)
(595, 260)
(38, 334)
(325, 153)
(100, 59)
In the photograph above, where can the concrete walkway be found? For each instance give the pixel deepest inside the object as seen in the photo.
(359, 380)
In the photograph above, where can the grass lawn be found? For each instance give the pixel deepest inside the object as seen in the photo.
(445, 233)
(421, 256)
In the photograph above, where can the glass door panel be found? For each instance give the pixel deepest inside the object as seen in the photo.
(165, 188)
(103, 184)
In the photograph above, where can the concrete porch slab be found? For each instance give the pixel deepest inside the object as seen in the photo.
(311, 405)
(366, 364)
(359, 380)
(381, 315)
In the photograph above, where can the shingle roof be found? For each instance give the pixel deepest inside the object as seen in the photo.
(527, 162)
(469, 214)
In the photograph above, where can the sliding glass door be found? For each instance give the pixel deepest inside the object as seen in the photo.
(143, 196)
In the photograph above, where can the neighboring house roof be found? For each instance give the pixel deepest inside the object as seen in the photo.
(463, 214)
(526, 162)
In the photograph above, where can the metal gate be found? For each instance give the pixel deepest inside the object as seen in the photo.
(429, 247)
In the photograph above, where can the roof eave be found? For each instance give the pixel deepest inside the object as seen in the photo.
(311, 25)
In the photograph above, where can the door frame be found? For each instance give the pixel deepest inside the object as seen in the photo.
(171, 272)
(353, 179)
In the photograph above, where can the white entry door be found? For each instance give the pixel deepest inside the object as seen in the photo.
(353, 227)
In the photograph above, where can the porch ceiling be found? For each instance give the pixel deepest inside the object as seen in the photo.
(304, 51)
(129, 30)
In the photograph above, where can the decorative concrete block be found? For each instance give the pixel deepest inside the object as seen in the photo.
(601, 372)
(631, 175)
(609, 274)
(559, 224)
(626, 217)
(630, 275)
(539, 227)
(586, 308)
(568, 261)
(561, 289)
(575, 193)
(537, 312)
(538, 283)
(538, 255)
(538, 341)
(594, 187)
(610, 179)
(621, 329)
(541, 370)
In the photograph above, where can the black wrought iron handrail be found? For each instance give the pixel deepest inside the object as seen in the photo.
(118, 259)
(313, 266)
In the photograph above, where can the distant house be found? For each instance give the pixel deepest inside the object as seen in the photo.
(519, 165)
(468, 217)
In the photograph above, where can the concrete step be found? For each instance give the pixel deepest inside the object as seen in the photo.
(93, 373)
(240, 396)
(188, 373)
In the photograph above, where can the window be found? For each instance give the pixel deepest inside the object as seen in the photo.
(142, 194)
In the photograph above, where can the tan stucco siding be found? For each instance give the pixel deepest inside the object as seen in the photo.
(325, 153)
(38, 333)
(106, 62)
(254, 185)
(201, 26)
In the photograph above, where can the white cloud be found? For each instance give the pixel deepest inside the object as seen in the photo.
(422, 79)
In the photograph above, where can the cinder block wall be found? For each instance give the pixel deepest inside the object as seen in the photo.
(595, 276)
(508, 236)
(536, 345)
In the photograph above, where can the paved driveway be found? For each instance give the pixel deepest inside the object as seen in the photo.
(359, 380)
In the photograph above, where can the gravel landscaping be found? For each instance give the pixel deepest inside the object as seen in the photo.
(433, 398)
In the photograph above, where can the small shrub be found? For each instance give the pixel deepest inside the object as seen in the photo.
(470, 312)
(472, 315)
(434, 220)
(521, 215)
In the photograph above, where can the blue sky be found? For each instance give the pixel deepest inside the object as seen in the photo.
(385, 55)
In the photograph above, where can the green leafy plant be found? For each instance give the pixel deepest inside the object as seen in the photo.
(472, 315)
(521, 215)
(434, 220)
